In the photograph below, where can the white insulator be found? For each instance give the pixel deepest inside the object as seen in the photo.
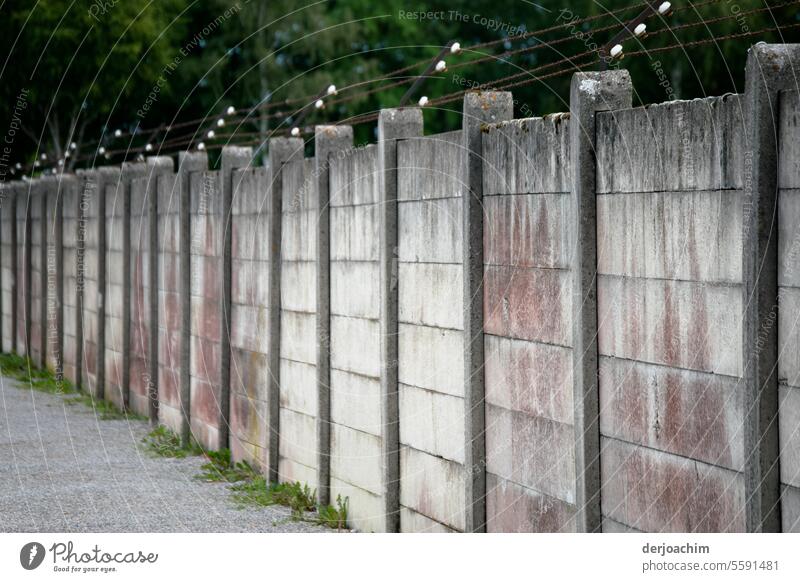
(441, 66)
(319, 104)
(118, 133)
(423, 101)
(616, 51)
(230, 110)
(332, 90)
(220, 122)
(455, 48)
(201, 146)
(210, 134)
(665, 9)
(101, 150)
(73, 146)
(640, 29)
(148, 148)
(295, 131)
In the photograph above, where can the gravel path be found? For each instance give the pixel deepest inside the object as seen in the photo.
(64, 470)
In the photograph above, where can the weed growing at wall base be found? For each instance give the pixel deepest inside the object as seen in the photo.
(25, 371)
(248, 487)
(298, 497)
(164, 443)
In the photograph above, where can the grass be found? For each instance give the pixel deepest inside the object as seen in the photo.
(220, 468)
(248, 487)
(164, 443)
(103, 408)
(24, 370)
(298, 497)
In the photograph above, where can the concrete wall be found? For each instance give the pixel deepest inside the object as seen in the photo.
(22, 256)
(36, 288)
(250, 274)
(73, 241)
(168, 298)
(668, 183)
(140, 266)
(355, 336)
(206, 285)
(788, 319)
(52, 268)
(298, 328)
(431, 362)
(527, 324)
(669, 299)
(92, 360)
(115, 292)
(8, 271)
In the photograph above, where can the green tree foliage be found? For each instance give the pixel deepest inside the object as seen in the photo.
(82, 64)
(94, 65)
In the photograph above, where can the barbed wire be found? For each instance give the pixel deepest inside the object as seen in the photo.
(522, 78)
(196, 136)
(306, 99)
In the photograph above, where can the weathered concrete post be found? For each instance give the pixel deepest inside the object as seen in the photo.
(281, 151)
(24, 264)
(42, 191)
(328, 139)
(589, 93)
(101, 178)
(10, 210)
(156, 166)
(188, 163)
(479, 109)
(130, 171)
(73, 213)
(233, 158)
(54, 275)
(8, 217)
(770, 69)
(393, 125)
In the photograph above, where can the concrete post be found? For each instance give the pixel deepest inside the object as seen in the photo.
(393, 125)
(24, 217)
(589, 93)
(80, 265)
(770, 69)
(129, 172)
(106, 176)
(44, 187)
(328, 139)
(188, 163)
(233, 158)
(281, 151)
(156, 166)
(5, 189)
(55, 274)
(479, 109)
(7, 201)
(94, 186)
(14, 241)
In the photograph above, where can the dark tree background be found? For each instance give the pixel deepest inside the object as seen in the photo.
(136, 65)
